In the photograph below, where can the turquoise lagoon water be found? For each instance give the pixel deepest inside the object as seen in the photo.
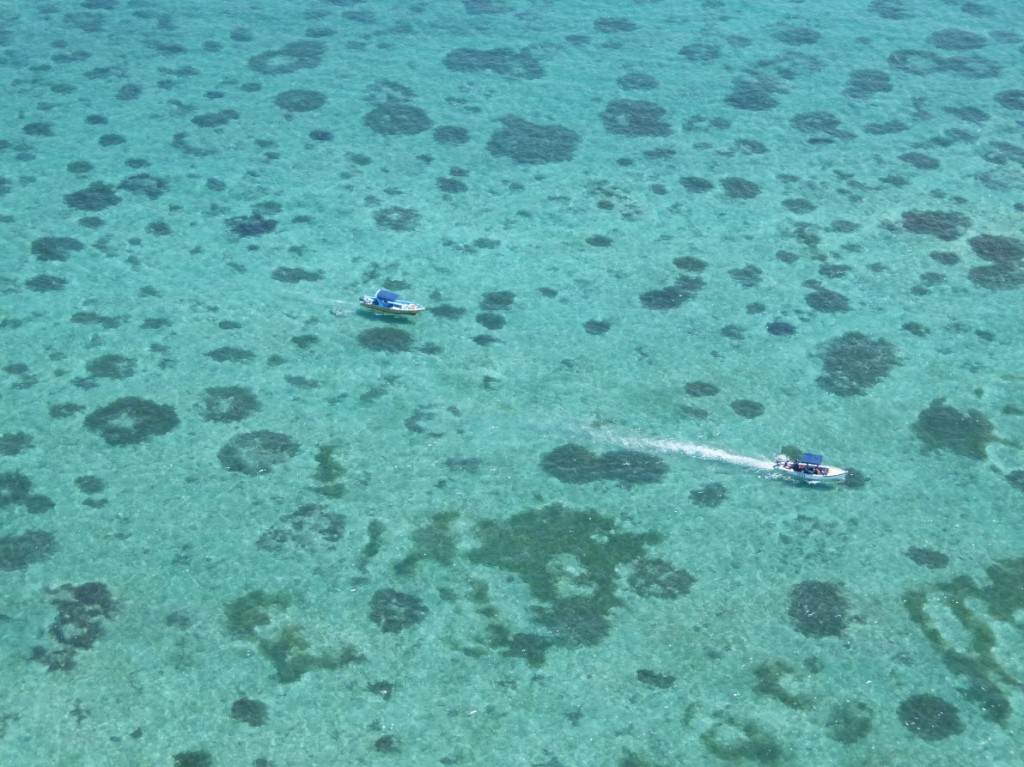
(244, 523)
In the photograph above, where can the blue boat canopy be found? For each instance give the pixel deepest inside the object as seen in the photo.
(811, 458)
(386, 295)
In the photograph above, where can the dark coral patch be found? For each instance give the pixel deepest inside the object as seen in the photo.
(96, 196)
(308, 528)
(228, 404)
(193, 759)
(637, 81)
(701, 389)
(820, 123)
(946, 225)
(827, 301)
(113, 366)
(571, 561)
(45, 283)
(943, 427)
(397, 219)
(849, 722)
(574, 464)
(674, 295)
(300, 100)
(998, 249)
(798, 36)
(854, 362)
(752, 95)
(612, 25)
(916, 62)
(252, 712)
(920, 160)
(930, 717)
(216, 119)
(392, 340)
(740, 188)
(393, 611)
(635, 118)
(1016, 479)
(15, 489)
(779, 328)
(653, 679)
(19, 550)
(956, 40)
(933, 560)
(817, 609)
(15, 443)
(450, 134)
(491, 320)
(81, 612)
(507, 62)
(749, 275)
(230, 354)
(690, 264)
(747, 408)
(254, 225)
(1005, 276)
(659, 579)
(865, 83)
(497, 300)
(257, 452)
(294, 274)
(55, 248)
(1011, 99)
(131, 420)
(700, 53)
(145, 185)
(709, 496)
(291, 57)
(696, 184)
(532, 144)
(799, 205)
(396, 118)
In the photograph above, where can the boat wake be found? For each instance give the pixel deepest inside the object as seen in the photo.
(703, 452)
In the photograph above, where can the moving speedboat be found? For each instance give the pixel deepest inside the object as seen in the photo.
(810, 469)
(386, 302)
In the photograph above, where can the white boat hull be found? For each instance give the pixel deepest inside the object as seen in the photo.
(811, 472)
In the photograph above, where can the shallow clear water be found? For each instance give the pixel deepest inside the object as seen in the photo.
(245, 522)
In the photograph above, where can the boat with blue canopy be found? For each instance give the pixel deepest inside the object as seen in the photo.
(386, 302)
(810, 469)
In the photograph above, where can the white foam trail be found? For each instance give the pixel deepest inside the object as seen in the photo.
(704, 452)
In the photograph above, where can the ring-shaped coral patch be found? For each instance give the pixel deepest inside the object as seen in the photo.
(257, 452)
(131, 420)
